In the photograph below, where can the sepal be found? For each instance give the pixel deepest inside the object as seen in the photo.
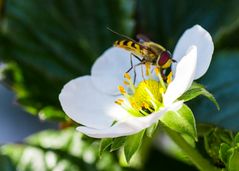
(182, 121)
(196, 90)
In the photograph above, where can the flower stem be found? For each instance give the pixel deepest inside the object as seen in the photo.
(200, 162)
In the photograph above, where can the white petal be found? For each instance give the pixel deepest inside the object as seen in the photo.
(184, 76)
(83, 103)
(108, 70)
(199, 37)
(130, 126)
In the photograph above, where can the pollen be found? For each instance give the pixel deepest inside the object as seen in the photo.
(145, 97)
(119, 101)
(122, 90)
(145, 105)
(134, 105)
(127, 76)
(126, 82)
(170, 77)
(156, 69)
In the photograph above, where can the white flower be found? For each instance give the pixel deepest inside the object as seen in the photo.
(90, 100)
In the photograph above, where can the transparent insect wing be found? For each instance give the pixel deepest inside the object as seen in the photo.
(142, 38)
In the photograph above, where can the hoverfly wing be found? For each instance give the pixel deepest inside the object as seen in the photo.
(142, 38)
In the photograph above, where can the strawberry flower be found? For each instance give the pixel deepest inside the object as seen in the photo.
(106, 109)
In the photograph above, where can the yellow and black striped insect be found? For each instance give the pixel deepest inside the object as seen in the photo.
(145, 51)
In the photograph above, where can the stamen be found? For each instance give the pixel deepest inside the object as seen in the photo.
(146, 97)
(161, 90)
(127, 76)
(119, 101)
(170, 77)
(146, 106)
(154, 102)
(143, 112)
(128, 107)
(147, 66)
(134, 105)
(131, 109)
(157, 71)
(126, 82)
(122, 90)
(129, 82)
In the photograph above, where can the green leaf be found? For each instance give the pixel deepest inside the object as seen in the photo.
(52, 113)
(213, 141)
(66, 149)
(52, 42)
(151, 130)
(132, 144)
(181, 121)
(118, 143)
(204, 129)
(233, 161)
(190, 140)
(236, 138)
(104, 144)
(30, 154)
(52, 139)
(224, 153)
(229, 154)
(197, 90)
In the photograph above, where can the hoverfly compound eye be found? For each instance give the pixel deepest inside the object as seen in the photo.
(164, 57)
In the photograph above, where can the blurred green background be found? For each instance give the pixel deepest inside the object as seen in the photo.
(46, 43)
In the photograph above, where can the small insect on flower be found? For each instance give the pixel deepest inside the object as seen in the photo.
(145, 51)
(107, 104)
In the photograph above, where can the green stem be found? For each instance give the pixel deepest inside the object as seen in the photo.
(200, 162)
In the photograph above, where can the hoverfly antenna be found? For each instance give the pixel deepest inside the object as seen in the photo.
(124, 36)
(174, 61)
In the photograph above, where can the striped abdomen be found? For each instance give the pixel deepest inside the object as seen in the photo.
(131, 46)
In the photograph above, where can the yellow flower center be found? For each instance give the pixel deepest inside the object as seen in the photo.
(146, 94)
(146, 97)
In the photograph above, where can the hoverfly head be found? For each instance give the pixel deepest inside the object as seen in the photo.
(165, 59)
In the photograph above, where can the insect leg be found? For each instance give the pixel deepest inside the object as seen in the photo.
(137, 57)
(142, 62)
(131, 62)
(133, 66)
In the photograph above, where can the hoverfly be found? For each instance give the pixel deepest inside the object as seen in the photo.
(145, 51)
